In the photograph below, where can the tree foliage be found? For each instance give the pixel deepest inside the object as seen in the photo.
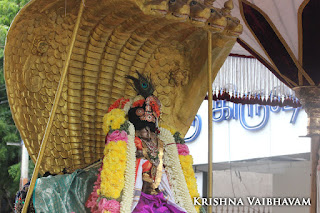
(9, 155)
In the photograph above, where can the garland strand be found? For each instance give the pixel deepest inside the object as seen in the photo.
(186, 162)
(114, 165)
(128, 190)
(113, 172)
(174, 170)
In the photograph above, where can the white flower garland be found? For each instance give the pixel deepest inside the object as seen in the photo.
(128, 189)
(137, 98)
(174, 170)
(127, 106)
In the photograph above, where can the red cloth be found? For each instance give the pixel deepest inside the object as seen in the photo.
(138, 143)
(146, 166)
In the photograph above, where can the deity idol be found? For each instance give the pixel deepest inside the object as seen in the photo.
(141, 170)
(145, 167)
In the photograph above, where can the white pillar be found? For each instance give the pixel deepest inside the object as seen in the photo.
(24, 165)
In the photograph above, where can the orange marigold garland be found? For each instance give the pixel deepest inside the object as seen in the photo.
(138, 103)
(155, 107)
(118, 104)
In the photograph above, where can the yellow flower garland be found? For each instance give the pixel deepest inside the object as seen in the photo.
(186, 162)
(114, 165)
(114, 119)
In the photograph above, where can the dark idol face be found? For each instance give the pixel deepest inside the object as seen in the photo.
(146, 134)
(134, 115)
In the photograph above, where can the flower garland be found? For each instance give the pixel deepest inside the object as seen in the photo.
(155, 107)
(164, 126)
(186, 162)
(128, 189)
(183, 149)
(117, 159)
(113, 120)
(138, 102)
(120, 103)
(175, 173)
(113, 167)
(127, 106)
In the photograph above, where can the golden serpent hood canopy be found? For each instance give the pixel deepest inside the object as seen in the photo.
(114, 39)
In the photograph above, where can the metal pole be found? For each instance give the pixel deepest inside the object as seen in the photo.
(210, 158)
(53, 112)
(24, 165)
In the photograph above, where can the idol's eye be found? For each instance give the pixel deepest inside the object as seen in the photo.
(192, 3)
(172, 1)
(212, 10)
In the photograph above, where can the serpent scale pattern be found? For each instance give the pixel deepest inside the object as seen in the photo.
(115, 38)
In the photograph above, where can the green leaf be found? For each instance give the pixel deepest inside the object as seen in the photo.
(3, 33)
(15, 172)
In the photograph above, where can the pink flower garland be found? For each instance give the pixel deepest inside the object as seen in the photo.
(183, 149)
(117, 136)
(104, 204)
(92, 200)
(112, 206)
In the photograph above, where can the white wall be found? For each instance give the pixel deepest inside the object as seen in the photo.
(232, 142)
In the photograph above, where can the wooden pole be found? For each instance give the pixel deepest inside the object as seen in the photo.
(210, 158)
(53, 111)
